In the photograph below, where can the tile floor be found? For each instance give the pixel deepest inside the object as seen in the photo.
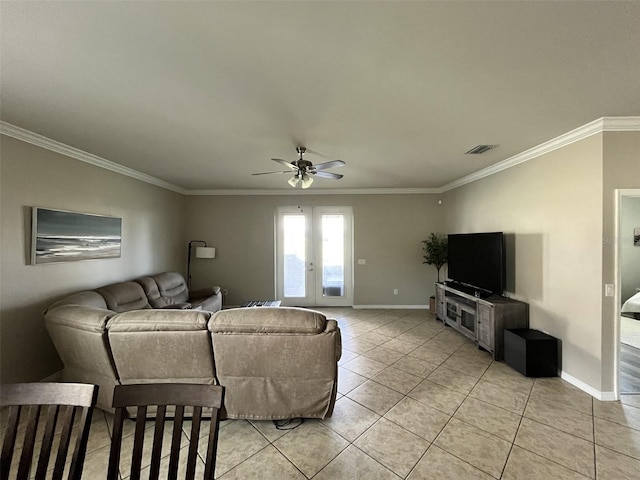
(418, 401)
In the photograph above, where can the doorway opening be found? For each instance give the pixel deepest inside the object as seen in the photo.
(314, 256)
(628, 291)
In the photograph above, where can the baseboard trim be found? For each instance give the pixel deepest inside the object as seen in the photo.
(391, 307)
(603, 396)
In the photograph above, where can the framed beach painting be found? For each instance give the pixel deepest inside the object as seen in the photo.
(61, 236)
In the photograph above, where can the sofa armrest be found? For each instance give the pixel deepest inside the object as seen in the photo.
(79, 316)
(86, 298)
(331, 326)
(204, 292)
(280, 320)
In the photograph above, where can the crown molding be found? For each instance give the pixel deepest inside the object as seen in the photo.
(620, 124)
(333, 191)
(40, 141)
(604, 124)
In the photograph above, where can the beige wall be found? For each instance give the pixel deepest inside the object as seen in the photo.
(621, 162)
(551, 210)
(388, 230)
(32, 176)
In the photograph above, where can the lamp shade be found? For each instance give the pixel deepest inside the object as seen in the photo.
(293, 181)
(306, 181)
(205, 252)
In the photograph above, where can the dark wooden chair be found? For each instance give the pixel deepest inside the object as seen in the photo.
(54, 406)
(163, 395)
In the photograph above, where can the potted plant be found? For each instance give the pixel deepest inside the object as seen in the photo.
(435, 251)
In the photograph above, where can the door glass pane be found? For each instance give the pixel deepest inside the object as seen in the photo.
(294, 256)
(332, 255)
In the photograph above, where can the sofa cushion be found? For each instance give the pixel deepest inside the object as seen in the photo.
(162, 345)
(276, 363)
(124, 296)
(172, 287)
(268, 320)
(159, 320)
(150, 288)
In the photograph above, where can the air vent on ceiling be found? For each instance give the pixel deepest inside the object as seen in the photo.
(478, 149)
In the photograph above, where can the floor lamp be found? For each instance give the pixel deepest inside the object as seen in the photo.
(201, 252)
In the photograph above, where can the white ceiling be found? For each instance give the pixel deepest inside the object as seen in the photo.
(202, 94)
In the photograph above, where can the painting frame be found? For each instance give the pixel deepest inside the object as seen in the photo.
(60, 236)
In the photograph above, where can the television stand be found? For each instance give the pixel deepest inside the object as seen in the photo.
(482, 320)
(469, 289)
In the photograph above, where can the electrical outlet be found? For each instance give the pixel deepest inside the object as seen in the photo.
(395, 291)
(362, 261)
(608, 290)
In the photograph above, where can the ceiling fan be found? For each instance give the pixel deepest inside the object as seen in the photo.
(303, 170)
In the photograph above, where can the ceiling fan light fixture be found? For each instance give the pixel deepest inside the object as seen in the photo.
(293, 181)
(306, 181)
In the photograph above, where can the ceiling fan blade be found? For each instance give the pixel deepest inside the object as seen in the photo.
(335, 176)
(328, 165)
(269, 173)
(284, 162)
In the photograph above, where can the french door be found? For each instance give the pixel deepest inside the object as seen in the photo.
(314, 256)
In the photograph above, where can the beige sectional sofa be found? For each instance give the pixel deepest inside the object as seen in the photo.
(274, 363)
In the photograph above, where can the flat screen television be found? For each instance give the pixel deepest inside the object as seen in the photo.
(477, 260)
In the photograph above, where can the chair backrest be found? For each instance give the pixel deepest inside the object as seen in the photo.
(63, 401)
(172, 287)
(150, 288)
(124, 296)
(161, 395)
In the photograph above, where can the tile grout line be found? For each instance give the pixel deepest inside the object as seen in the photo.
(468, 395)
(521, 415)
(513, 443)
(405, 395)
(567, 433)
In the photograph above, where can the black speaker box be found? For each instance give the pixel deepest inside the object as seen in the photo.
(531, 352)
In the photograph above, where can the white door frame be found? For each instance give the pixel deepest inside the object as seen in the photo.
(313, 276)
(620, 193)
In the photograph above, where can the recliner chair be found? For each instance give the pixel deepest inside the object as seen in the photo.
(169, 290)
